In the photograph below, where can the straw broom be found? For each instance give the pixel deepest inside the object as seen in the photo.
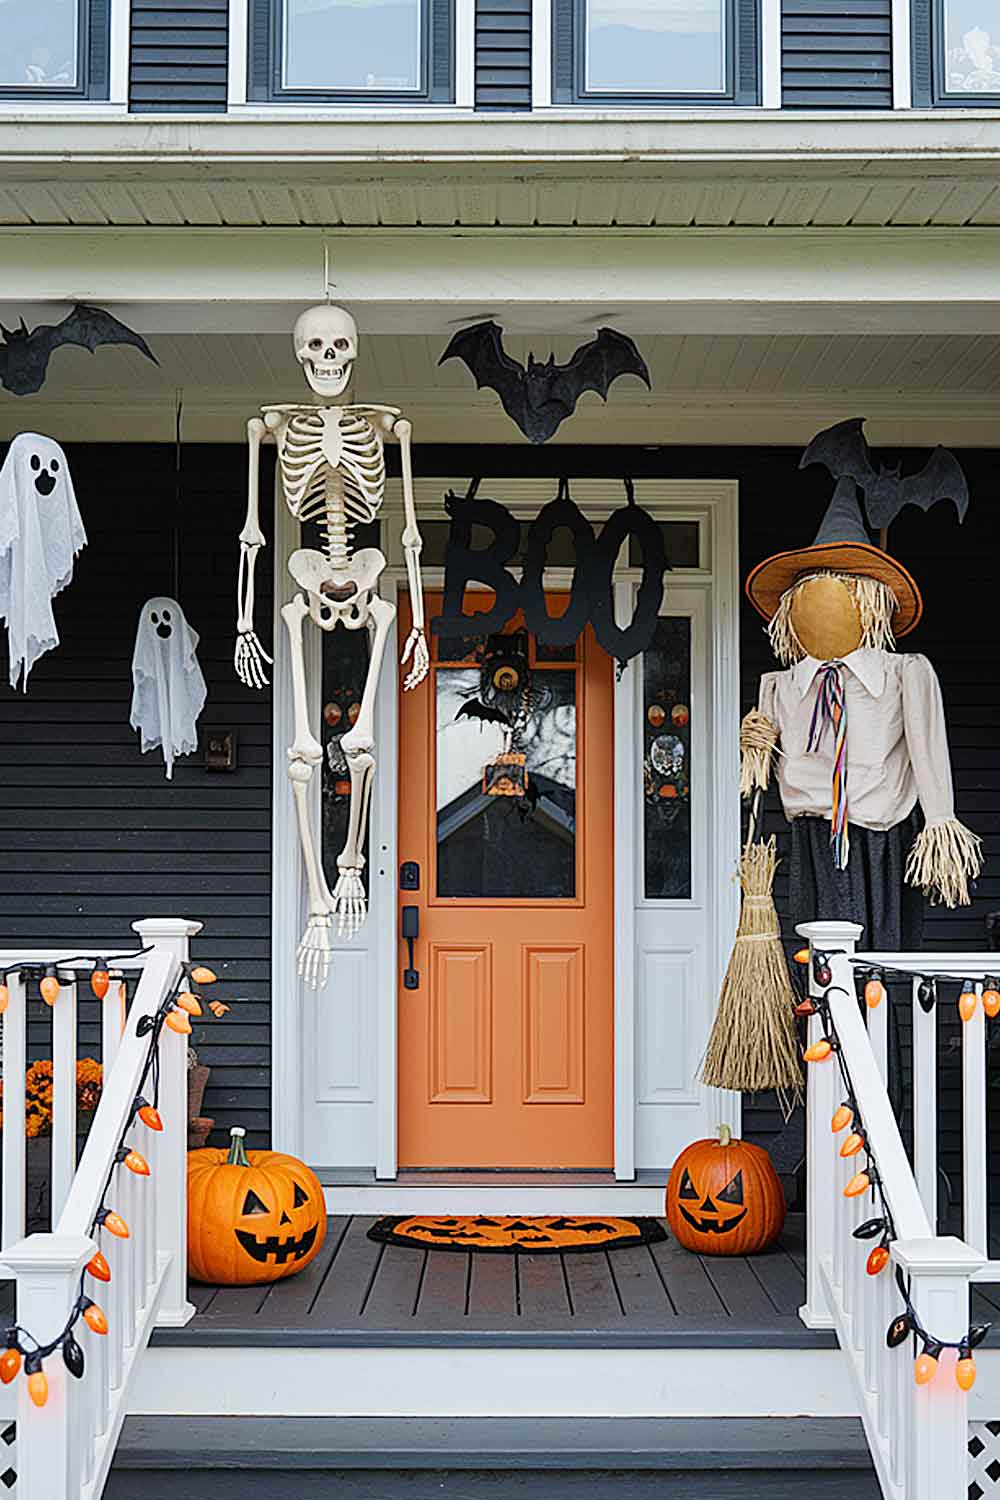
(753, 1045)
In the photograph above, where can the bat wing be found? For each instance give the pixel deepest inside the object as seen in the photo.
(595, 365)
(481, 348)
(843, 450)
(941, 478)
(89, 327)
(484, 712)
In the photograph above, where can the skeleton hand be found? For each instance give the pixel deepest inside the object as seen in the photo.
(250, 658)
(416, 646)
(314, 951)
(349, 902)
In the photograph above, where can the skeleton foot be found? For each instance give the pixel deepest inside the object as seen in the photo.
(349, 902)
(314, 951)
(250, 659)
(416, 647)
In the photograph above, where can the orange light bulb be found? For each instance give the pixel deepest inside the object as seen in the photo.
(10, 1365)
(177, 1021)
(150, 1115)
(137, 1163)
(967, 1004)
(877, 1260)
(49, 989)
(924, 1369)
(38, 1387)
(202, 975)
(859, 1183)
(100, 982)
(874, 993)
(123, 991)
(852, 1144)
(115, 1224)
(94, 1318)
(99, 1268)
(991, 1002)
(189, 1002)
(802, 956)
(965, 1372)
(842, 1117)
(818, 1052)
(4, 998)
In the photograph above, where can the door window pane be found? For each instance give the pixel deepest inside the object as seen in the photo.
(345, 663)
(971, 46)
(39, 44)
(666, 765)
(506, 828)
(355, 45)
(655, 46)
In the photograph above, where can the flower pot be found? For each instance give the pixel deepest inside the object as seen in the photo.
(199, 1129)
(197, 1079)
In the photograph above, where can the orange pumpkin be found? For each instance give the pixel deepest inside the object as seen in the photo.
(724, 1197)
(252, 1217)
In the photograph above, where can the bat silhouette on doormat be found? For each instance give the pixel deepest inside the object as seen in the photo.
(542, 394)
(24, 355)
(844, 451)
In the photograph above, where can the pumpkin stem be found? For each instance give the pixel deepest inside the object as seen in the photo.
(725, 1136)
(237, 1156)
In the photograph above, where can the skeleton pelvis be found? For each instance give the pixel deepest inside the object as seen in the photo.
(337, 594)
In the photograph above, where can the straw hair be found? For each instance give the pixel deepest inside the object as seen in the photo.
(877, 604)
(753, 1045)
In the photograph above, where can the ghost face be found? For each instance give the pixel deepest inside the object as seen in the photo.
(162, 623)
(326, 346)
(44, 472)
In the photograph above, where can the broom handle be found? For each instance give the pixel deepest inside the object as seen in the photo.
(754, 816)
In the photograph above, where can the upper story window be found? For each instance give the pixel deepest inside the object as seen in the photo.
(956, 47)
(353, 51)
(641, 52)
(54, 49)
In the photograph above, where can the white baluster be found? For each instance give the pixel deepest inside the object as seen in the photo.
(14, 1154)
(114, 1307)
(974, 1183)
(112, 1024)
(925, 1127)
(878, 1035)
(64, 1049)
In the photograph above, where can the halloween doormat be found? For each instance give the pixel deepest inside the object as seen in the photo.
(499, 1234)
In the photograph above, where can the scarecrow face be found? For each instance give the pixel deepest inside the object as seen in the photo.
(826, 619)
(708, 1214)
(278, 1222)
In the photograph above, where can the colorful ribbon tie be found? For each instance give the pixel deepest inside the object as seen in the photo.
(830, 711)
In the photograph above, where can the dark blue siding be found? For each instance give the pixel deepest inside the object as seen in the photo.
(836, 54)
(180, 56)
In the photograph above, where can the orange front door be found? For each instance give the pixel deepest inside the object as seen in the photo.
(505, 1046)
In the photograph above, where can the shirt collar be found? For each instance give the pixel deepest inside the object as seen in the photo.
(866, 664)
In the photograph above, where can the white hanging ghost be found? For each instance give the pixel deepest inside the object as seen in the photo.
(168, 690)
(41, 533)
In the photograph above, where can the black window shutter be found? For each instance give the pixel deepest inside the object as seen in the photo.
(441, 62)
(98, 49)
(261, 44)
(563, 57)
(921, 63)
(746, 85)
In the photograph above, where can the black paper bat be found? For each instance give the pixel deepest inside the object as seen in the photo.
(542, 395)
(844, 451)
(484, 712)
(24, 356)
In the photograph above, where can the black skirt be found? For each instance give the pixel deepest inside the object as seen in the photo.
(871, 891)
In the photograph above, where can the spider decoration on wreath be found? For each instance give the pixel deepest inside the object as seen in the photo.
(508, 695)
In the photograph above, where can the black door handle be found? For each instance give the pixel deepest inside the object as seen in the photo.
(410, 931)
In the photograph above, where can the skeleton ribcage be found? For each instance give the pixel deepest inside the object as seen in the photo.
(332, 472)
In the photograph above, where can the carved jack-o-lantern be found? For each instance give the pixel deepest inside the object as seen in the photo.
(251, 1217)
(724, 1198)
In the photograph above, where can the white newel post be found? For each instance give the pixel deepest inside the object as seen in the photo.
(172, 935)
(938, 1457)
(48, 1269)
(822, 1098)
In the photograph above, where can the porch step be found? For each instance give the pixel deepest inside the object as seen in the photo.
(485, 1458)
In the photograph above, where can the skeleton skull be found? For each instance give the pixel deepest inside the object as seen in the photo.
(326, 346)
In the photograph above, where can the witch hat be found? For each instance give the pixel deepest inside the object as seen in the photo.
(841, 546)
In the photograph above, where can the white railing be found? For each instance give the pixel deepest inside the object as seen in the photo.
(65, 1448)
(918, 1435)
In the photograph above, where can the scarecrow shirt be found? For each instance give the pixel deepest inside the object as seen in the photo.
(897, 756)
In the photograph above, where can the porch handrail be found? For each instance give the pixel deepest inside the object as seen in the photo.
(918, 1435)
(64, 1450)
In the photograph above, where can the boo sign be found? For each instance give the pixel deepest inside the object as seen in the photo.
(591, 597)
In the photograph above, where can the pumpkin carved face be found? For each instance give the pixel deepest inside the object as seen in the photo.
(251, 1218)
(724, 1198)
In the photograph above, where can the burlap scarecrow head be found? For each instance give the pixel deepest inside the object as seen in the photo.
(841, 593)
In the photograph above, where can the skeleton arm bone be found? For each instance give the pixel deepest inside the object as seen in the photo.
(416, 643)
(250, 654)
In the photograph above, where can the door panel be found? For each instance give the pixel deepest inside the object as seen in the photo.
(505, 1049)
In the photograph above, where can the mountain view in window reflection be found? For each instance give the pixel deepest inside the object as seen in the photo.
(507, 846)
(655, 46)
(39, 44)
(972, 46)
(353, 45)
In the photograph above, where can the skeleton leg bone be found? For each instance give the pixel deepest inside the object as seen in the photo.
(304, 755)
(358, 745)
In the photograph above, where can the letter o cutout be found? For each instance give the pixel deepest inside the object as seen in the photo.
(557, 630)
(638, 634)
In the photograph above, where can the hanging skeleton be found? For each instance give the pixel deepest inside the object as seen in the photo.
(331, 462)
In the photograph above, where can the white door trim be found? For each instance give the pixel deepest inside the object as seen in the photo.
(714, 503)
